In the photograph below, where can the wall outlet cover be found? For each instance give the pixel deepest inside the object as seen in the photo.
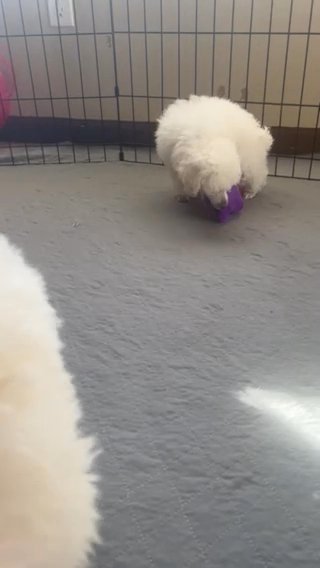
(61, 13)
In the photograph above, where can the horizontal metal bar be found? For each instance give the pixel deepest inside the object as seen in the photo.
(158, 32)
(126, 96)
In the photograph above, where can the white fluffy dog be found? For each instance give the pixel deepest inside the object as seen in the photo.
(48, 515)
(210, 144)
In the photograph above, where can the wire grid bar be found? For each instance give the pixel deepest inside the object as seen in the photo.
(125, 60)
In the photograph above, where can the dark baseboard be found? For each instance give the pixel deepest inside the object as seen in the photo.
(290, 141)
(37, 130)
(31, 130)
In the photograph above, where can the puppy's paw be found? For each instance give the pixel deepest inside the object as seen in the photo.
(249, 195)
(247, 192)
(181, 198)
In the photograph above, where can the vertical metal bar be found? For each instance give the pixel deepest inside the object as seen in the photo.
(47, 70)
(65, 82)
(196, 50)
(161, 55)
(30, 74)
(302, 87)
(80, 72)
(147, 73)
(315, 136)
(231, 48)
(249, 54)
(99, 79)
(117, 93)
(13, 72)
(213, 44)
(284, 76)
(267, 64)
(179, 47)
(131, 83)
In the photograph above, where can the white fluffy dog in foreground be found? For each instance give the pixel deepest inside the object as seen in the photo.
(210, 144)
(48, 515)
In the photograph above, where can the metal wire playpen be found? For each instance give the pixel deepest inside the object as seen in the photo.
(90, 89)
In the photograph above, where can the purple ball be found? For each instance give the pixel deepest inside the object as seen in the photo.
(235, 204)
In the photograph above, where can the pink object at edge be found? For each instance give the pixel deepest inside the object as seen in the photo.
(6, 89)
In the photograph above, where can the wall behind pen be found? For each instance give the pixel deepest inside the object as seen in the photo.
(125, 60)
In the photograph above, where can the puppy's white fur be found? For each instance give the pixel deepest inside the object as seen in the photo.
(48, 516)
(210, 144)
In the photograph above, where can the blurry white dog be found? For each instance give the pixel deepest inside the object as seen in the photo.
(48, 515)
(210, 144)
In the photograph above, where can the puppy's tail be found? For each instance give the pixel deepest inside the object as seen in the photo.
(266, 138)
(207, 166)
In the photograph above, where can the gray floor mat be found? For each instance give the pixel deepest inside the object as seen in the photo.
(196, 352)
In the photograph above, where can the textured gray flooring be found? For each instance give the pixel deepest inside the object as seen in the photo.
(167, 317)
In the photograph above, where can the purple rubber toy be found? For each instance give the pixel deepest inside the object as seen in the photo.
(235, 204)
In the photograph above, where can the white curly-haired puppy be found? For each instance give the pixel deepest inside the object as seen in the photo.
(210, 144)
(48, 516)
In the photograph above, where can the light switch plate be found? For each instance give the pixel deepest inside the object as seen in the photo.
(62, 9)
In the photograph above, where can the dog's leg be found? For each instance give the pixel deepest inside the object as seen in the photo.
(180, 193)
(254, 180)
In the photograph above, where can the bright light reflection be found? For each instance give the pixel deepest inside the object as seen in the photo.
(302, 417)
